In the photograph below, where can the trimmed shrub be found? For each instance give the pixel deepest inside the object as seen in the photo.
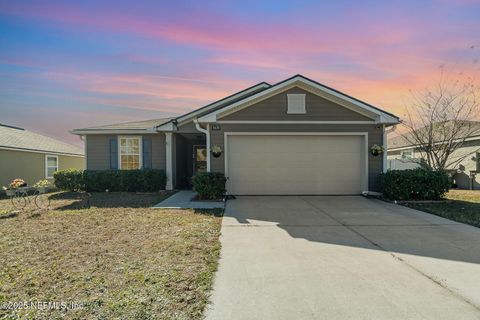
(209, 185)
(143, 180)
(102, 180)
(69, 180)
(415, 184)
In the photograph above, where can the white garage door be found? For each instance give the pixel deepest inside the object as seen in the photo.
(295, 164)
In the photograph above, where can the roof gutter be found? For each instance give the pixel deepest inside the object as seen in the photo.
(412, 146)
(112, 131)
(42, 151)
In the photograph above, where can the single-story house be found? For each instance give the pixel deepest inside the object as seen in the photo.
(33, 157)
(293, 137)
(402, 154)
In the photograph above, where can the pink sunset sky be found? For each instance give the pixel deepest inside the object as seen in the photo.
(67, 65)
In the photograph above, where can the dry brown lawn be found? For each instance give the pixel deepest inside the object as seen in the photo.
(118, 259)
(462, 206)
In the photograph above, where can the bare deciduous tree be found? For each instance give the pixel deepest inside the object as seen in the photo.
(440, 120)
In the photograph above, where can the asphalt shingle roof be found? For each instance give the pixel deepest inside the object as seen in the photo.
(401, 141)
(134, 125)
(18, 138)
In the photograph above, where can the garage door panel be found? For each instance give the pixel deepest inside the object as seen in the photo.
(315, 164)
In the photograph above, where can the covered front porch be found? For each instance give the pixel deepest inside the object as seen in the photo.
(186, 155)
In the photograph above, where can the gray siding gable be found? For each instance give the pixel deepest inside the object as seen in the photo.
(275, 109)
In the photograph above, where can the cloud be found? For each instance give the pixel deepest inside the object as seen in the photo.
(130, 62)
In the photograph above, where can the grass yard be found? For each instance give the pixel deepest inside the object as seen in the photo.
(464, 206)
(118, 259)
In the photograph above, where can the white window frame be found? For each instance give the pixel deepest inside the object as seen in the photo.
(296, 109)
(140, 150)
(46, 165)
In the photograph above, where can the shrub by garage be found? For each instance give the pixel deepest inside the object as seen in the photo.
(415, 184)
(209, 185)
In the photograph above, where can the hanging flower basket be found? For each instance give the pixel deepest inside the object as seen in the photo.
(376, 150)
(216, 151)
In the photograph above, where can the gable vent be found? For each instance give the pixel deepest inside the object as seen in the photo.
(296, 103)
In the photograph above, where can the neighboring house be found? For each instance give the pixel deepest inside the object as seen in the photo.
(33, 157)
(294, 137)
(403, 155)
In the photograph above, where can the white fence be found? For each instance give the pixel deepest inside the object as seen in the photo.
(401, 164)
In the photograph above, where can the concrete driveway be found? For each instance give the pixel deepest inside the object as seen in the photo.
(343, 258)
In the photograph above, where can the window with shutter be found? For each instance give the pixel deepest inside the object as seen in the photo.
(130, 152)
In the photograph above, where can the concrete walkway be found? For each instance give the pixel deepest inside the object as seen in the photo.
(343, 258)
(183, 200)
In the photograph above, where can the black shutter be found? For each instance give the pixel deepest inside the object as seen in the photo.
(147, 153)
(113, 154)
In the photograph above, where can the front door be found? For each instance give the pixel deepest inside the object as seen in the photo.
(199, 159)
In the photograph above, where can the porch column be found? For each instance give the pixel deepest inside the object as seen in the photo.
(385, 146)
(169, 160)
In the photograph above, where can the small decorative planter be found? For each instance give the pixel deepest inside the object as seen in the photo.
(10, 192)
(216, 151)
(42, 186)
(42, 189)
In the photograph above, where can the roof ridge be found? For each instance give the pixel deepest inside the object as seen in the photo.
(125, 122)
(222, 99)
(10, 126)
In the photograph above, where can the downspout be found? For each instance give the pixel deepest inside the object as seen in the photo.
(207, 136)
(84, 139)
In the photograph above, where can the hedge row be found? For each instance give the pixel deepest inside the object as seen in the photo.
(144, 180)
(415, 184)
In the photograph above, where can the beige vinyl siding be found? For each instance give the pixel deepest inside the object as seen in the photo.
(66, 162)
(275, 109)
(98, 151)
(468, 152)
(375, 135)
(30, 166)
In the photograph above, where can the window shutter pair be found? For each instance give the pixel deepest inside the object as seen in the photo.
(146, 153)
